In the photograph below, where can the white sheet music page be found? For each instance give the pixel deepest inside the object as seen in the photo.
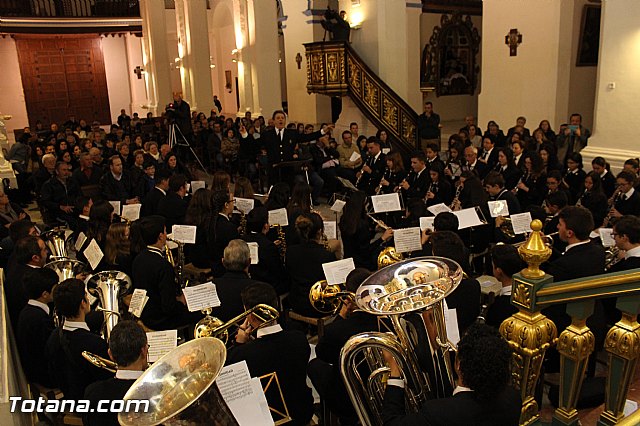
(336, 272)
(521, 223)
(330, 229)
(498, 208)
(184, 233)
(131, 211)
(161, 342)
(197, 184)
(94, 254)
(407, 239)
(468, 218)
(80, 241)
(253, 250)
(606, 235)
(438, 208)
(451, 322)
(138, 300)
(337, 206)
(278, 217)
(426, 222)
(354, 157)
(201, 296)
(116, 206)
(241, 395)
(386, 203)
(245, 205)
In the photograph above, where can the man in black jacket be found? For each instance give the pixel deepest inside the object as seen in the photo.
(173, 206)
(71, 372)
(166, 307)
(626, 233)
(153, 198)
(482, 395)
(416, 184)
(628, 200)
(58, 195)
(473, 164)
(506, 261)
(272, 349)
(116, 183)
(494, 185)
(429, 126)
(269, 268)
(128, 348)
(36, 324)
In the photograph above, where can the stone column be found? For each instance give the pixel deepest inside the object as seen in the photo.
(244, 55)
(193, 48)
(155, 56)
(265, 67)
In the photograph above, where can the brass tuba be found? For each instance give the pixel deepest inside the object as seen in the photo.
(214, 327)
(179, 389)
(67, 268)
(109, 287)
(57, 242)
(400, 291)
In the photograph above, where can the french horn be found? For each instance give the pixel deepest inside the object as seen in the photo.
(214, 327)
(389, 256)
(401, 291)
(109, 287)
(328, 299)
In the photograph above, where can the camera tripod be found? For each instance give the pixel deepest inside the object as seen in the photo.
(174, 133)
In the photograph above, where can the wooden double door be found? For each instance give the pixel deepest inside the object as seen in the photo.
(63, 75)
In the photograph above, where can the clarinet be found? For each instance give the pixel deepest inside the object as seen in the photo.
(366, 163)
(385, 176)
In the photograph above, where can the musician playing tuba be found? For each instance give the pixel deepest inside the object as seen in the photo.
(129, 350)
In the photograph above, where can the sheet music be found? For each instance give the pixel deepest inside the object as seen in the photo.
(116, 206)
(521, 223)
(184, 233)
(451, 323)
(201, 296)
(337, 206)
(426, 222)
(131, 211)
(498, 208)
(386, 203)
(407, 239)
(253, 249)
(245, 205)
(197, 184)
(346, 183)
(607, 237)
(94, 254)
(336, 272)
(354, 157)
(438, 208)
(161, 342)
(245, 400)
(80, 241)
(278, 217)
(385, 151)
(468, 218)
(138, 300)
(330, 229)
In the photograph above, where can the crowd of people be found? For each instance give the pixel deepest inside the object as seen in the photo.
(78, 173)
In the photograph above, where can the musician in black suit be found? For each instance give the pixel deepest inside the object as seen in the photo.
(173, 206)
(30, 252)
(221, 229)
(626, 233)
(269, 268)
(304, 262)
(36, 324)
(440, 190)
(507, 168)
(373, 169)
(554, 203)
(159, 191)
(237, 259)
(474, 165)
(627, 200)
(600, 166)
(166, 307)
(482, 395)
(68, 369)
(128, 348)
(432, 156)
(494, 185)
(506, 261)
(489, 154)
(324, 370)
(274, 350)
(416, 184)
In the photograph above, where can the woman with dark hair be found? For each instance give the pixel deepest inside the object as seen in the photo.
(474, 136)
(495, 134)
(439, 190)
(633, 165)
(221, 229)
(603, 169)
(593, 198)
(574, 176)
(199, 215)
(549, 134)
(532, 187)
(101, 217)
(304, 262)
(383, 137)
(174, 166)
(278, 197)
(549, 157)
(299, 203)
(357, 232)
(362, 145)
(507, 168)
(117, 251)
(394, 173)
(455, 161)
(221, 181)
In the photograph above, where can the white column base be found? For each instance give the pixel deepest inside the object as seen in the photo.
(614, 156)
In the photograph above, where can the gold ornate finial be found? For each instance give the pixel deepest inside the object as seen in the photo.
(534, 252)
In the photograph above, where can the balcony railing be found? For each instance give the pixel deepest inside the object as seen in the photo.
(69, 8)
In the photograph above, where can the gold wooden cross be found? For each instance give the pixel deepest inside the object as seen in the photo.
(513, 39)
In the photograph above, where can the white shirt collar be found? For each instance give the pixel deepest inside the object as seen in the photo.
(75, 325)
(116, 177)
(459, 389)
(377, 156)
(517, 157)
(39, 304)
(604, 173)
(83, 217)
(272, 329)
(634, 252)
(570, 246)
(128, 374)
(505, 291)
(161, 190)
(629, 193)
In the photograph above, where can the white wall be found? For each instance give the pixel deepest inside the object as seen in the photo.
(116, 70)
(455, 107)
(12, 101)
(222, 42)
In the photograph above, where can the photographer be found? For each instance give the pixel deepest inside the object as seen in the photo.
(572, 138)
(179, 112)
(335, 23)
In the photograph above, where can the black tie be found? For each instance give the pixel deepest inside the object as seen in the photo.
(280, 134)
(624, 197)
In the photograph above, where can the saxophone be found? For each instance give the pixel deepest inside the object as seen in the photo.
(281, 241)
(179, 265)
(243, 221)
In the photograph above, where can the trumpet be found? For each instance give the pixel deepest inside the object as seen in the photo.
(328, 299)
(214, 327)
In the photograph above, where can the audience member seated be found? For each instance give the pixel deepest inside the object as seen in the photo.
(69, 370)
(35, 324)
(117, 185)
(58, 195)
